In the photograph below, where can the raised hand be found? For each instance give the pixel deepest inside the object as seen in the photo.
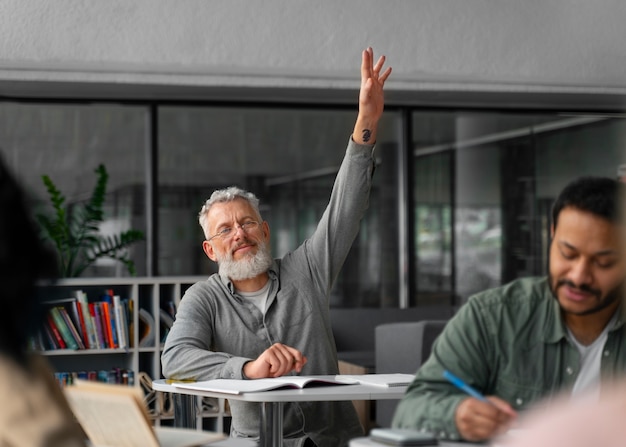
(371, 97)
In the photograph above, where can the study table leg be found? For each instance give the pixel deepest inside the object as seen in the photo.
(271, 424)
(184, 410)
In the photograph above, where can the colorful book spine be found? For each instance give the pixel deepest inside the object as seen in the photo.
(94, 310)
(62, 328)
(83, 325)
(106, 322)
(70, 324)
(88, 319)
(108, 298)
(56, 341)
(121, 323)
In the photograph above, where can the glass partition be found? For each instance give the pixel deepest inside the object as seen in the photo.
(483, 185)
(289, 158)
(67, 142)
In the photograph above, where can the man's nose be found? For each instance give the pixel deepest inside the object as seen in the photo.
(238, 231)
(581, 273)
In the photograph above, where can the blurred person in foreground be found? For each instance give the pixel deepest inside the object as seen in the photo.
(534, 337)
(34, 411)
(567, 422)
(261, 317)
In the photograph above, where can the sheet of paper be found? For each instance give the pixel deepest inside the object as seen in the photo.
(384, 380)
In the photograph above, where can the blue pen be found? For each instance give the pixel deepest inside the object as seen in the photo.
(465, 387)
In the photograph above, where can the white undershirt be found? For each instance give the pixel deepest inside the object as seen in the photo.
(259, 297)
(588, 380)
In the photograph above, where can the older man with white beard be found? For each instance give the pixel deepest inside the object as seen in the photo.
(262, 317)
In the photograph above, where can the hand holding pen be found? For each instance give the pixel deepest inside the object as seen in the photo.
(480, 417)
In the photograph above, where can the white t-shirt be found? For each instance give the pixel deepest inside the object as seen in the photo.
(588, 380)
(259, 297)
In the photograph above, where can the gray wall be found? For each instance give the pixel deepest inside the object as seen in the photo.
(433, 45)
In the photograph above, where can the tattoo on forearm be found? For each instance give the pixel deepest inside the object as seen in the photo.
(367, 134)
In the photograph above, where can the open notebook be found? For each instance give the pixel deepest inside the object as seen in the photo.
(114, 415)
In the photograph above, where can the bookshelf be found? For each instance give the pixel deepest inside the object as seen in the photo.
(143, 359)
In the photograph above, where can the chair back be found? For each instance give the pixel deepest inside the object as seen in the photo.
(402, 348)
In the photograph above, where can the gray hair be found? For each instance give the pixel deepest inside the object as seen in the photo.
(226, 195)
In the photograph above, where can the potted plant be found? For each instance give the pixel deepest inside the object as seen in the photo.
(75, 231)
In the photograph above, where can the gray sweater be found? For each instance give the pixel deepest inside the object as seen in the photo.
(216, 331)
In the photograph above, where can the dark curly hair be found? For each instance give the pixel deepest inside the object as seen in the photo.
(24, 261)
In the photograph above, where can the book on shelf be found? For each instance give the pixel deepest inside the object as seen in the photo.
(241, 386)
(62, 328)
(120, 376)
(71, 326)
(88, 320)
(114, 415)
(94, 310)
(107, 324)
(58, 341)
(109, 311)
(122, 323)
(383, 380)
(71, 306)
(49, 339)
(131, 324)
(101, 324)
(82, 323)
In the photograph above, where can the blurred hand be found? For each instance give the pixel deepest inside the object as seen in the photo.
(275, 361)
(580, 422)
(477, 420)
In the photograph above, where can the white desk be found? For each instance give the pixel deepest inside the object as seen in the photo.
(272, 403)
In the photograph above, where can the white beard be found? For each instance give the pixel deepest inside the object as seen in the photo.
(248, 267)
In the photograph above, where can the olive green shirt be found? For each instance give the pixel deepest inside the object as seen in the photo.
(510, 342)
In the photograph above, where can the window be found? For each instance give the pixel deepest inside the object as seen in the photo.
(67, 142)
(479, 184)
(483, 185)
(289, 158)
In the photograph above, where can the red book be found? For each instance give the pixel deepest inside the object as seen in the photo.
(106, 317)
(55, 332)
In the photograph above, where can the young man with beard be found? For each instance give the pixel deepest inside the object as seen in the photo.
(259, 317)
(533, 338)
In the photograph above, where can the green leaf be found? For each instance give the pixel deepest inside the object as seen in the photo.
(75, 231)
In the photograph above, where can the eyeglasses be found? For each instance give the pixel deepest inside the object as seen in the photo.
(228, 232)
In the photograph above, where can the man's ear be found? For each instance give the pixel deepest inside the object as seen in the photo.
(266, 230)
(552, 230)
(208, 250)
